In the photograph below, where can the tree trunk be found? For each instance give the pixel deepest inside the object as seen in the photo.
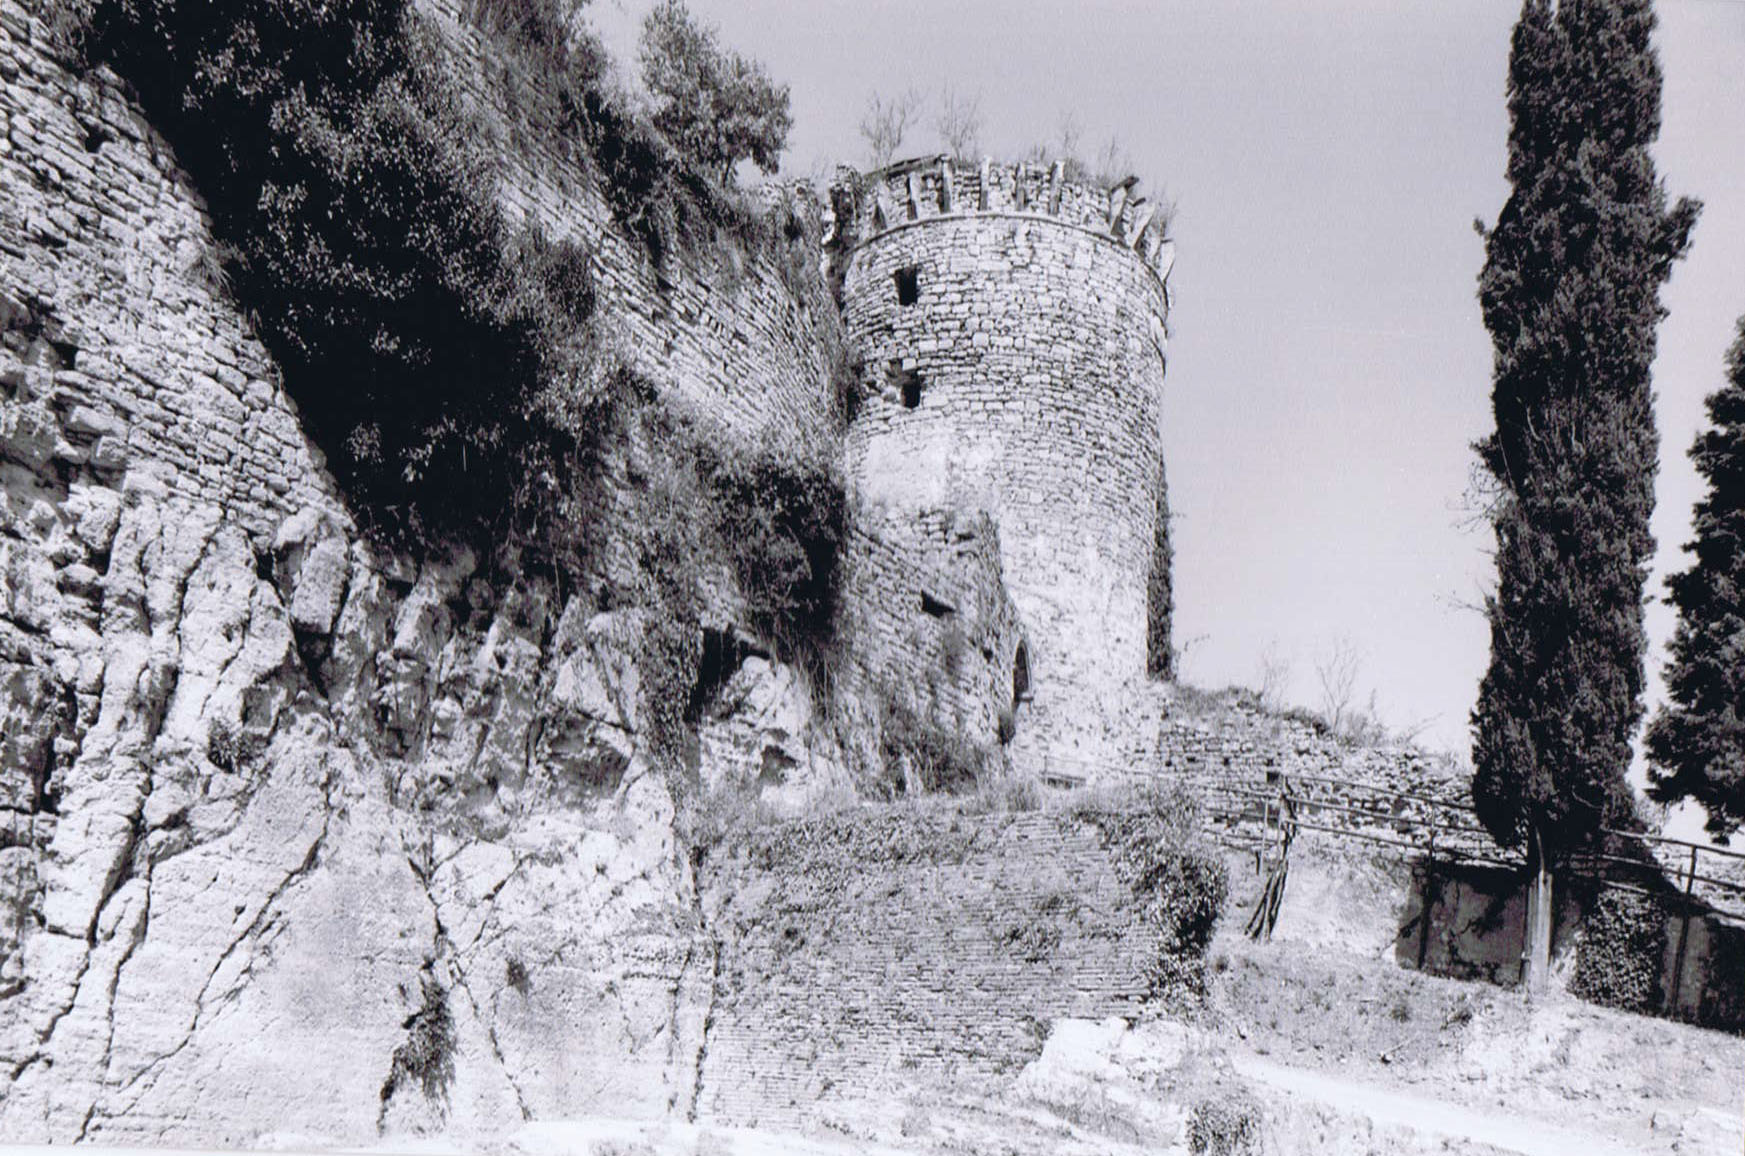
(1536, 952)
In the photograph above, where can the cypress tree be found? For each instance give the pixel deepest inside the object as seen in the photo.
(1696, 744)
(1570, 293)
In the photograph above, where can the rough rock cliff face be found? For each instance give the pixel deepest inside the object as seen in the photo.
(295, 836)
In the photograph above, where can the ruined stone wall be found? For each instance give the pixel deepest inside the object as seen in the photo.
(1012, 330)
(742, 335)
(878, 950)
(1241, 758)
(929, 581)
(268, 794)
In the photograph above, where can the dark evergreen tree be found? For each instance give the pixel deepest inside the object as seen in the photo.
(1696, 744)
(1571, 295)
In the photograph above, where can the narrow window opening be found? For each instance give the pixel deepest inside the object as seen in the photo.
(908, 280)
(936, 607)
(908, 383)
(1021, 675)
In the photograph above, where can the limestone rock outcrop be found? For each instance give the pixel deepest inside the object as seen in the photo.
(297, 837)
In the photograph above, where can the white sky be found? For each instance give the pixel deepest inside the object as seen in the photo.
(1328, 369)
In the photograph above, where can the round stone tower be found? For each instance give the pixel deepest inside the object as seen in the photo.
(1011, 326)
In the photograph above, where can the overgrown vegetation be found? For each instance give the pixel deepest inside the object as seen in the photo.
(359, 229)
(920, 754)
(776, 516)
(232, 750)
(1623, 952)
(1176, 875)
(716, 106)
(1225, 1124)
(781, 521)
(672, 192)
(444, 360)
(1035, 934)
(450, 365)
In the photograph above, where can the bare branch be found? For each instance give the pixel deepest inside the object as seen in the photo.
(1113, 164)
(1275, 677)
(960, 124)
(886, 122)
(1337, 674)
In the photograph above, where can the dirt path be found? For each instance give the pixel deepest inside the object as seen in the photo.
(1391, 1108)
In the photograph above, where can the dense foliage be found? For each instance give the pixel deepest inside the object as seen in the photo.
(445, 361)
(687, 505)
(716, 107)
(1623, 952)
(557, 86)
(781, 522)
(1696, 744)
(1570, 294)
(360, 231)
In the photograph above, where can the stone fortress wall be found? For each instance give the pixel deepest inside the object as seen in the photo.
(179, 953)
(1011, 328)
(739, 338)
(927, 589)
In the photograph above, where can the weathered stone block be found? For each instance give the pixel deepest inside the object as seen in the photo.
(320, 586)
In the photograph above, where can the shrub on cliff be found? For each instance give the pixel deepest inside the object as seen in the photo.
(716, 106)
(360, 231)
(685, 503)
(671, 189)
(426, 1056)
(781, 520)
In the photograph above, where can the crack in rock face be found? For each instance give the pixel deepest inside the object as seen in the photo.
(225, 888)
(265, 786)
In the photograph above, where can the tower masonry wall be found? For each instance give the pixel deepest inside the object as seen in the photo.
(933, 634)
(1011, 329)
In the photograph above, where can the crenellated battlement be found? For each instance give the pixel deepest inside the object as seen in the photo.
(868, 205)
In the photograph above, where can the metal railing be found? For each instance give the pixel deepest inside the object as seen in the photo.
(1249, 815)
